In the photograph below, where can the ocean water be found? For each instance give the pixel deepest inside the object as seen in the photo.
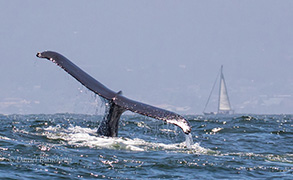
(65, 146)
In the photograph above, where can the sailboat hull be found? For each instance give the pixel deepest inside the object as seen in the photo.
(219, 113)
(209, 113)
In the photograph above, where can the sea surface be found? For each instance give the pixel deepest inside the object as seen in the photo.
(66, 146)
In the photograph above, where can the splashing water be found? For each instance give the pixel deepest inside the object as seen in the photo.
(86, 137)
(189, 141)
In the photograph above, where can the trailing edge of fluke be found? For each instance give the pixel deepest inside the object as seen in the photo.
(118, 103)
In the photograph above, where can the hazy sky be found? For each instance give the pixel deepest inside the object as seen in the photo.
(165, 53)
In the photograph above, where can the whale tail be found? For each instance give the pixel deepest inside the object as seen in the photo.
(118, 103)
(109, 125)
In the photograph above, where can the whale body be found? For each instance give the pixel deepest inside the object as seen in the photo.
(117, 102)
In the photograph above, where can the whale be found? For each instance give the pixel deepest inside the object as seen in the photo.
(118, 103)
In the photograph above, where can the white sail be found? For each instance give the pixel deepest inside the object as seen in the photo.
(224, 103)
(224, 106)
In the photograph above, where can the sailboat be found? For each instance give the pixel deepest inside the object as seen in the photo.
(224, 105)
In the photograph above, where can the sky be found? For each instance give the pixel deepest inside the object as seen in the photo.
(164, 53)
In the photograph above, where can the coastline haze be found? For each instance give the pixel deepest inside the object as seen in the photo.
(164, 54)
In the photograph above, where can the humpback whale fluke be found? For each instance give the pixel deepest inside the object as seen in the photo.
(118, 103)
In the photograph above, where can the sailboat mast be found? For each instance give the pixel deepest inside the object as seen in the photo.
(220, 88)
(224, 102)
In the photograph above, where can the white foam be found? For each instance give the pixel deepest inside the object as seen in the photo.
(5, 138)
(86, 137)
(217, 129)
